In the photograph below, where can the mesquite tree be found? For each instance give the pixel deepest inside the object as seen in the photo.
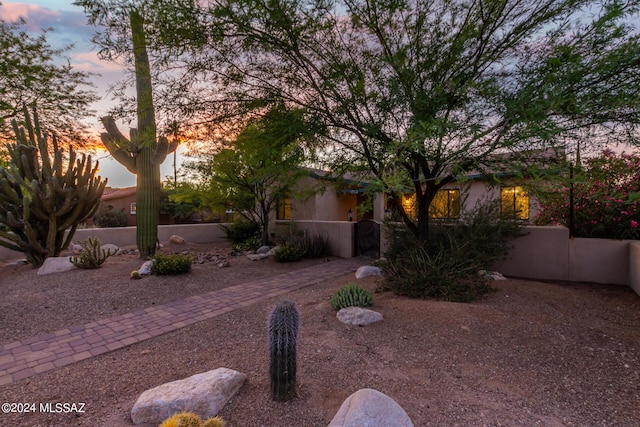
(143, 153)
(42, 200)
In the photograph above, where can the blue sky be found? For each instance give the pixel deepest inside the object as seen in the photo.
(70, 27)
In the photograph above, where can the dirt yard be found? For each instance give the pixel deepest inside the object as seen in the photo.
(529, 354)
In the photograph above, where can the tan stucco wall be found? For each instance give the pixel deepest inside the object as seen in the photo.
(340, 234)
(634, 266)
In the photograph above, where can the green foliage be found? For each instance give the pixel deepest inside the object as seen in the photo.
(314, 245)
(179, 209)
(446, 266)
(110, 218)
(242, 234)
(606, 200)
(43, 200)
(283, 323)
(164, 264)
(289, 252)
(92, 255)
(35, 72)
(351, 295)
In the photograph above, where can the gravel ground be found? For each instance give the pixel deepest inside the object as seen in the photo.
(531, 353)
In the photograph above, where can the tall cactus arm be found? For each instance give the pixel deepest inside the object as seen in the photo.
(118, 145)
(163, 148)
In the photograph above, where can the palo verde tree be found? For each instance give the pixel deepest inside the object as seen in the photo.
(260, 168)
(34, 73)
(43, 199)
(419, 92)
(143, 153)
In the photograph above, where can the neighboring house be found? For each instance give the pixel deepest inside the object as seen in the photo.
(123, 199)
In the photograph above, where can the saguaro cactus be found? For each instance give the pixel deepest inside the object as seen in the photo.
(40, 199)
(142, 154)
(284, 320)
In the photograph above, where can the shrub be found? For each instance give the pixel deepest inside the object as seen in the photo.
(92, 255)
(446, 266)
(240, 232)
(171, 264)
(606, 198)
(315, 245)
(351, 295)
(289, 253)
(110, 218)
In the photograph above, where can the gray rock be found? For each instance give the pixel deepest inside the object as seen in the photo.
(177, 240)
(273, 250)
(491, 275)
(256, 257)
(145, 268)
(263, 250)
(358, 316)
(56, 265)
(370, 408)
(224, 264)
(204, 394)
(368, 270)
(75, 248)
(112, 249)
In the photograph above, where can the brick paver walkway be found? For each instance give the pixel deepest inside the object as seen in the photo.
(42, 353)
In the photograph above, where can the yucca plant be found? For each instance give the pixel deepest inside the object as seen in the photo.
(284, 321)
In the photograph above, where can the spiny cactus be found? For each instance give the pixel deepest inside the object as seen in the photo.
(189, 419)
(284, 320)
(351, 295)
(92, 255)
(43, 200)
(142, 154)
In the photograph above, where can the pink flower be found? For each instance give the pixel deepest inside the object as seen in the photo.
(634, 224)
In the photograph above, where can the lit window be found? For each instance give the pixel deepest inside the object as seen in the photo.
(284, 208)
(133, 208)
(445, 205)
(514, 203)
(409, 204)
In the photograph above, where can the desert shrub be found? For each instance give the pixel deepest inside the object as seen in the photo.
(189, 419)
(288, 253)
(171, 264)
(446, 266)
(242, 234)
(92, 255)
(110, 218)
(315, 245)
(351, 295)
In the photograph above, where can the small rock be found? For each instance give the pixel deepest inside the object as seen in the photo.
(145, 268)
(224, 264)
(358, 316)
(263, 250)
(111, 249)
(491, 275)
(75, 248)
(204, 394)
(368, 270)
(56, 265)
(176, 240)
(370, 408)
(256, 257)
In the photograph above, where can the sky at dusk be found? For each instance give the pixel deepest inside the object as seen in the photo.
(70, 27)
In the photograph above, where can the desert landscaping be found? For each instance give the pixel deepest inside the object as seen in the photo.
(530, 353)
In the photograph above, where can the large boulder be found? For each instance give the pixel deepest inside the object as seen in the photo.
(368, 270)
(56, 265)
(257, 257)
(263, 250)
(358, 316)
(204, 394)
(110, 248)
(370, 408)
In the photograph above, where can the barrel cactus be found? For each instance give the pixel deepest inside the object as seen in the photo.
(284, 321)
(189, 419)
(351, 295)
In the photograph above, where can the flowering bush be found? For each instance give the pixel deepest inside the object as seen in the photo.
(606, 198)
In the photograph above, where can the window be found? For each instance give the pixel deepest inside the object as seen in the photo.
(409, 204)
(445, 205)
(132, 209)
(283, 210)
(514, 203)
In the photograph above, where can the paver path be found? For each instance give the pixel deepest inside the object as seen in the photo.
(42, 353)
